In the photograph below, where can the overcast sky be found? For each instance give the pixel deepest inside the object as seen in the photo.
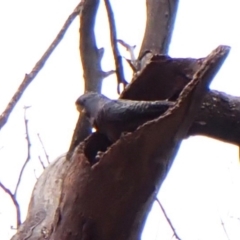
(202, 188)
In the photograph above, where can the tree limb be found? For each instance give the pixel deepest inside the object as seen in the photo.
(90, 55)
(91, 58)
(161, 16)
(218, 118)
(116, 53)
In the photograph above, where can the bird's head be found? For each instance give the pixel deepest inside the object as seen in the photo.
(90, 104)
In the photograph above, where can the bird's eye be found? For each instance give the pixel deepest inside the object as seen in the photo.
(80, 102)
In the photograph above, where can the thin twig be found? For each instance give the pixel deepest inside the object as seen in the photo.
(224, 229)
(116, 53)
(129, 48)
(15, 202)
(168, 220)
(44, 149)
(35, 174)
(38, 66)
(13, 196)
(28, 152)
(133, 62)
(42, 163)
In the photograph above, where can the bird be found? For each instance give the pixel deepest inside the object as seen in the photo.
(116, 117)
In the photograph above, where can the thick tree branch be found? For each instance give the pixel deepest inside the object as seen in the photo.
(91, 58)
(38, 66)
(116, 53)
(159, 27)
(81, 131)
(90, 55)
(218, 118)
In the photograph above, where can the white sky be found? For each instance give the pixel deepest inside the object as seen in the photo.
(202, 188)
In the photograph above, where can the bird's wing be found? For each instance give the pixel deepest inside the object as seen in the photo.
(127, 110)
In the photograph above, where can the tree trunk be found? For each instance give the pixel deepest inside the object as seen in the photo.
(77, 198)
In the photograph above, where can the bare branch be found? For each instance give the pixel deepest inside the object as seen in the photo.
(224, 229)
(15, 202)
(28, 152)
(133, 62)
(42, 163)
(116, 53)
(44, 149)
(90, 55)
(13, 196)
(168, 219)
(35, 174)
(159, 27)
(91, 58)
(218, 118)
(38, 66)
(129, 48)
(108, 73)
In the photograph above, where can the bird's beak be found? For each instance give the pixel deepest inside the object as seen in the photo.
(80, 109)
(83, 111)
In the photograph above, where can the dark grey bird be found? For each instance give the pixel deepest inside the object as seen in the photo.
(114, 117)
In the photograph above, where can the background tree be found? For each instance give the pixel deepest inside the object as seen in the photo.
(88, 26)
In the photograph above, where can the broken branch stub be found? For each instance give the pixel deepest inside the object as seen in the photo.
(163, 78)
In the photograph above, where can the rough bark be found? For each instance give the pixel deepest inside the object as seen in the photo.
(113, 196)
(220, 113)
(77, 199)
(110, 199)
(159, 27)
(219, 118)
(91, 64)
(43, 209)
(90, 55)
